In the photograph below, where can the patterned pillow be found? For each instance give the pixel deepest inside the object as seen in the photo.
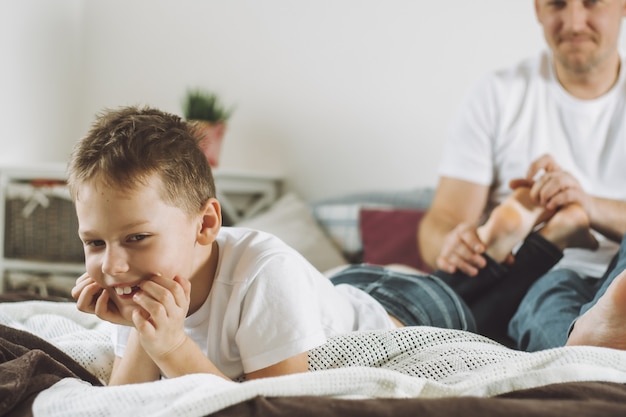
(341, 223)
(339, 216)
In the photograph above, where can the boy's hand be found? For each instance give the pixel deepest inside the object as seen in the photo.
(92, 298)
(164, 305)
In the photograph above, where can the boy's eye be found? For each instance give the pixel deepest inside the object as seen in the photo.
(137, 238)
(94, 243)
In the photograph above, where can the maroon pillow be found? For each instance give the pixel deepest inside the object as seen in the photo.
(389, 236)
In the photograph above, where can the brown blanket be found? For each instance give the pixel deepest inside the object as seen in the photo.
(28, 365)
(558, 400)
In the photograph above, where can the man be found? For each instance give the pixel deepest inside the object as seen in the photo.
(561, 113)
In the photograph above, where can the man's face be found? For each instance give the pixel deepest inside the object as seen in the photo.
(131, 236)
(581, 33)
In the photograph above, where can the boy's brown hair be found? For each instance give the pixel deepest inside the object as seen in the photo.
(127, 146)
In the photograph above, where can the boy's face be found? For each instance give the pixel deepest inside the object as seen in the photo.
(131, 236)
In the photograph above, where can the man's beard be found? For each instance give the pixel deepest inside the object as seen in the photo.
(580, 61)
(578, 66)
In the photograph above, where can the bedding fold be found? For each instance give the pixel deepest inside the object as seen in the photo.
(556, 400)
(28, 365)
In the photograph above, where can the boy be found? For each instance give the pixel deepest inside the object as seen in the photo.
(190, 296)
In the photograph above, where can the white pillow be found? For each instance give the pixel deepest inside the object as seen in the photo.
(290, 219)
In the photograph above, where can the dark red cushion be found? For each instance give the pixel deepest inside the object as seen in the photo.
(389, 236)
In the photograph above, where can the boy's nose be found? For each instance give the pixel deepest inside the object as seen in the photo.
(114, 262)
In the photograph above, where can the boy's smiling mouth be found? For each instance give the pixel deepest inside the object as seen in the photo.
(126, 290)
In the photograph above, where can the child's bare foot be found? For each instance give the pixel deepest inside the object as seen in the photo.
(604, 324)
(510, 223)
(569, 228)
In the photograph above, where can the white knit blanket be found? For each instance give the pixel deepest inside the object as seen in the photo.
(409, 362)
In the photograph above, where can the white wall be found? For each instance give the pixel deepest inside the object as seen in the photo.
(338, 95)
(40, 79)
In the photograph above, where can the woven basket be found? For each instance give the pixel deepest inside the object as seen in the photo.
(47, 234)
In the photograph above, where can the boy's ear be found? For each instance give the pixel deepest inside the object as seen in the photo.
(211, 222)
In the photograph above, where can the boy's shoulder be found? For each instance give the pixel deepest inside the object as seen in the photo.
(244, 253)
(242, 241)
(239, 235)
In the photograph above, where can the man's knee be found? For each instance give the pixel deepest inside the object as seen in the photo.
(547, 310)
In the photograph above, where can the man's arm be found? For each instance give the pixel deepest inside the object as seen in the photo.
(447, 235)
(608, 217)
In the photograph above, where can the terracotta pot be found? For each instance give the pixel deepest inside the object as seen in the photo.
(210, 137)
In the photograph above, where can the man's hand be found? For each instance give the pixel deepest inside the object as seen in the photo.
(160, 323)
(462, 251)
(555, 188)
(558, 189)
(545, 163)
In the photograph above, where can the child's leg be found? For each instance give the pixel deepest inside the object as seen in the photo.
(569, 228)
(510, 223)
(412, 299)
(494, 308)
(516, 216)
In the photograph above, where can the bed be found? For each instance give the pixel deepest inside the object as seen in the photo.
(55, 360)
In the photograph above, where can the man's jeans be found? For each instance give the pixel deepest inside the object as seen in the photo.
(552, 305)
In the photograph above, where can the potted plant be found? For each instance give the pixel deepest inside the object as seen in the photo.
(208, 117)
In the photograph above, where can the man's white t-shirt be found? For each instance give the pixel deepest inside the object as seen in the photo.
(267, 303)
(513, 116)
